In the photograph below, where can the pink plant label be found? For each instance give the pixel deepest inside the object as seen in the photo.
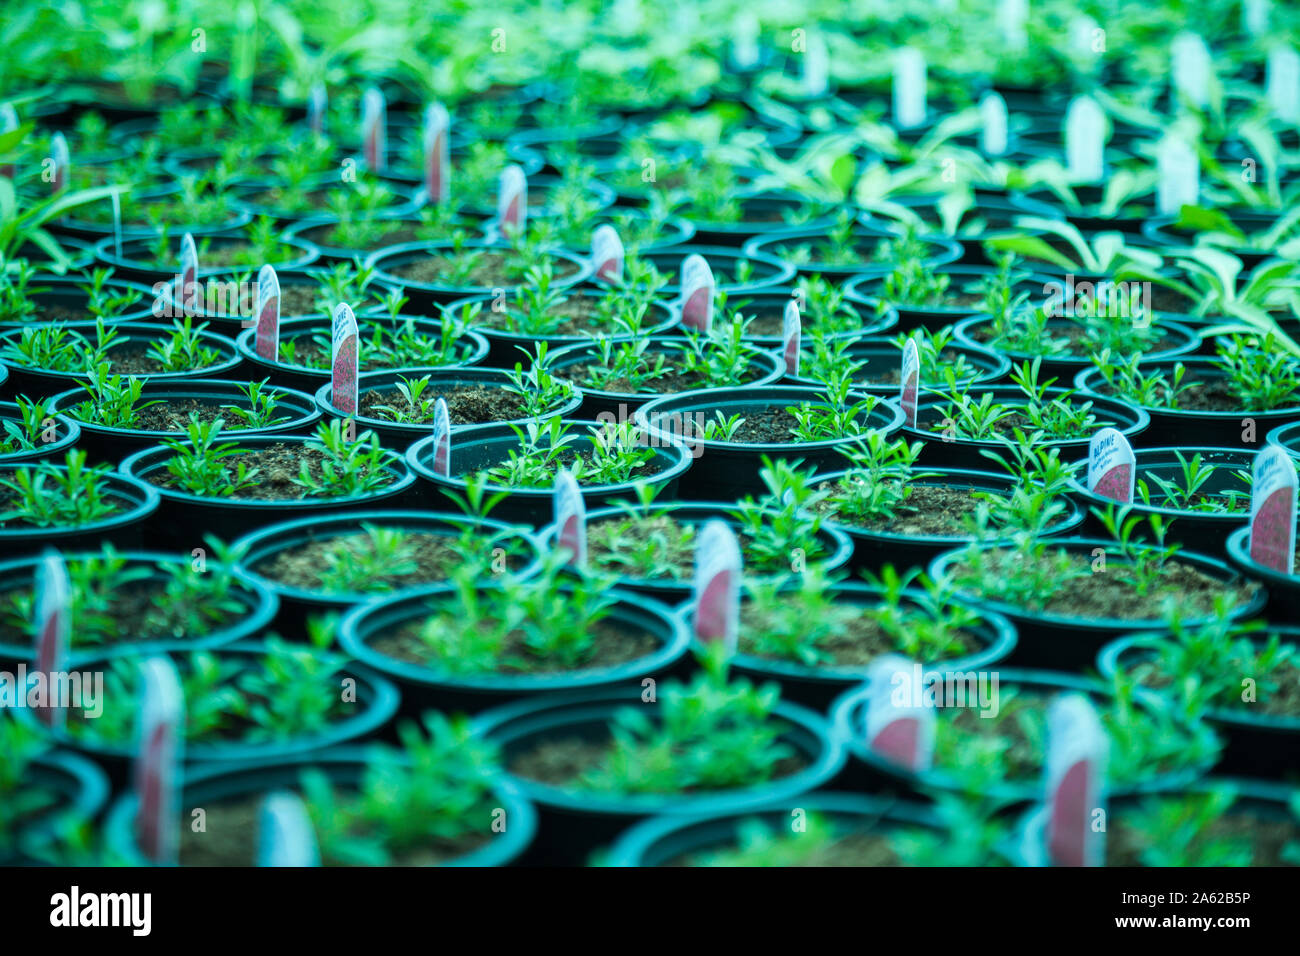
(1111, 466)
(717, 586)
(792, 335)
(317, 103)
(437, 153)
(512, 201)
(697, 293)
(1273, 511)
(607, 254)
(189, 275)
(61, 158)
(162, 712)
(910, 381)
(52, 627)
(1077, 753)
(344, 377)
(570, 518)
(285, 836)
(374, 129)
(441, 439)
(899, 722)
(268, 314)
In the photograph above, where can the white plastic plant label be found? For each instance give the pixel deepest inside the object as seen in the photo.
(1085, 133)
(899, 719)
(1012, 16)
(1180, 176)
(1077, 754)
(268, 314)
(909, 382)
(317, 104)
(1255, 17)
(285, 836)
(1273, 510)
(1111, 466)
(441, 439)
(1191, 69)
(512, 201)
(607, 254)
(1284, 83)
(909, 88)
(374, 129)
(717, 586)
(53, 624)
(437, 153)
(698, 290)
(60, 158)
(117, 222)
(791, 336)
(993, 124)
(816, 65)
(343, 365)
(158, 760)
(189, 291)
(744, 40)
(570, 518)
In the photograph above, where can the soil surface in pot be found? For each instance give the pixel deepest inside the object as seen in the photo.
(1204, 395)
(856, 641)
(1106, 595)
(174, 415)
(278, 466)
(231, 839)
(1082, 343)
(576, 315)
(1267, 838)
(429, 557)
(929, 510)
(489, 270)
(1282, 702)
(466, 405)
(400, 232)
(615, 643)
(673, 380)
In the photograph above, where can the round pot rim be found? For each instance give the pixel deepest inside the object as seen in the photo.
(1219, 518)
(246, 341)
(146, 500)
(1085, 382)
(962, 334)
(377, 258)
(667, 342)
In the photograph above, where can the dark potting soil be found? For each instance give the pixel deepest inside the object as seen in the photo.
(614, 644)
(577, 315)
(1266, 838)
(278, 465)
(133, 359)
(174, 416)
(1283, 702)
(466, 405)
(765, 426)
(567, 459)
(935, 510)
(857, 642)
(434, 556)
(1105, 595)
(859, 848)
(231, 839)
(1023, 755)
(238, 254)
(893, 374)
(328, 236)
(672, 381)
(1204, 395)
(491, 270)
(1082, 343)
(137, 612)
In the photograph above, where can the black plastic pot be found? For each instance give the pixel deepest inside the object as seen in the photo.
(245, 196)
(257, 601)
(1199, 531)
(1283, 589)
(425, 296)
(869, 771)
(671, 231)
(133, 337)
(765, 369)
(506, 348)
(66, 434)
(1068, 643)
(597, 195)
(137, 502)
(80, 789)
(997, 212)
(595, 141)
(342, 766)
(400, 436)
(957, 452)
(309, 379)
(764, 213)
(1176, 428)
(1177, 340)
(427, 686)
(818, 687)
(61, 299)
(866, 290)
(574, 822)
(482, 446)
(1162, 231)
(182, 519)
(1088, 216)
(727, 470)
(299, 603)
(768, 272)
(881, 356)
(779, 245)
(667, 841)
(766, 311)
(316, 233)
(874, 549)
(1257, 800)
(106, 443)
(100, 230)
(163, 279)
(1258, 744)
(836, 544)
